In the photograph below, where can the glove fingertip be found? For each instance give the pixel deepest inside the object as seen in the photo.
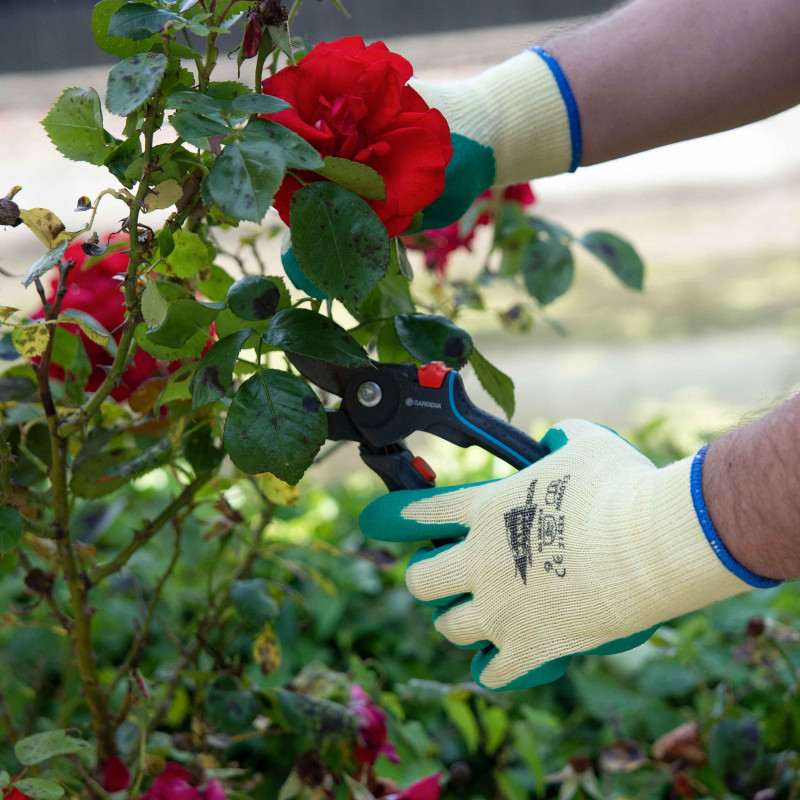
(538, 676)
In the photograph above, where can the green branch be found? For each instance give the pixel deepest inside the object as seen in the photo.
(143, 536)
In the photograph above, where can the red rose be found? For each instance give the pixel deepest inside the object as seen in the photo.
(173, 784)
(373, 736)
(96, 290)
(115, 775)
(351, 101)
(14, 794)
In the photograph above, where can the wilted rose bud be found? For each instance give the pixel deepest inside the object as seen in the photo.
(9, 212)
(272, 12)
(755, 626)
(580, 763)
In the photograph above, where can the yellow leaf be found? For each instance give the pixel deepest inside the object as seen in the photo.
(163, 196)
(44, 224)
(30, 340)
(44, 548)
(267, 650)
(6, 312)
(278, 491)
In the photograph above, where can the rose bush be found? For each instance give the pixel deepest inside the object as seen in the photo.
(351, 101)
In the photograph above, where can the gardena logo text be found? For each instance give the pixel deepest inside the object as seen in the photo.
(410, 401)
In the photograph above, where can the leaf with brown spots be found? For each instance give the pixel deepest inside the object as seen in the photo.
(340, 244)
(275, 424)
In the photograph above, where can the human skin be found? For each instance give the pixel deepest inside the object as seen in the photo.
(654, 72)
(751, 484)
(660, 71)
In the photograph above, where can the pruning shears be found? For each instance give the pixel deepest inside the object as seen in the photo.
(384, 403)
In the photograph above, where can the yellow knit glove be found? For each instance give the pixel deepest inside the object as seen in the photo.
(514, 122)
(586, 551)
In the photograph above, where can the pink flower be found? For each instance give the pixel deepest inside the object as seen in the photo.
(372, 729)
(425, 789)
(173, 784)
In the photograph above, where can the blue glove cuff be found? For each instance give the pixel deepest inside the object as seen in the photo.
(569, 101)
(716, 544)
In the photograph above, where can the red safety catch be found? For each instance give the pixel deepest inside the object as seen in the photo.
(432, 375)
(424, 469)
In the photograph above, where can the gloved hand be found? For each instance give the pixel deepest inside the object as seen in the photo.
(586, 551)
(513, 122)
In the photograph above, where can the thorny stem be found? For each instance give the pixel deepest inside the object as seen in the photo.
(81, 629)
(134, 260)
(150, 529)
(136, 651)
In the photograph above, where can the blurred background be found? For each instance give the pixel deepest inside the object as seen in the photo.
(713, 336)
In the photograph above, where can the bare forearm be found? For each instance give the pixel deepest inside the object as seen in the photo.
(661, 71)
(751, 484)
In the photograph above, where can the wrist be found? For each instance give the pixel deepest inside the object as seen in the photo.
(522, 109)
(739, 525)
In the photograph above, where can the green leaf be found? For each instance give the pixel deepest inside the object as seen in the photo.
(196, 103)
(510, 785)
(91, 328)
(526, 746)
(460, 714)
(5, 779)
(358, 178)
(39, 788)
(116, 45)
(302, 331)
(107, 471)
(11, 529)
(138, 21)
(340, 243)
(154, 306)
(255, 297)
(392, 296)
(133, 82)
(196, 129)
(258, 104)
(497, 384)
(275, 424)
(189, 254)
(185, 319)
(254, 601)
(547, 269)
(213, 377)
(229, 707)
(431, 337)
(403, 264)
(494, 721)
(75, 126)
(297, 153)
(318, 718)
(41, 746)
(618, 255)
(244, 179)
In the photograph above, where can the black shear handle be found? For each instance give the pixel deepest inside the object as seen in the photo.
(467, 425)
(396, 467)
